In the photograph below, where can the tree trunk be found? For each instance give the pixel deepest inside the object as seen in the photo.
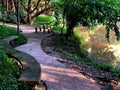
(13, 6)
(2, 3)
(29, 12)
(28, 18)
(22, 20)
(70, 27)
(7, 5)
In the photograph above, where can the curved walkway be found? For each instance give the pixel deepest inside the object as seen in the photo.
(56, 75)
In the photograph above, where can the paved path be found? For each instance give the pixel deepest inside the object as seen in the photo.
(56, 75)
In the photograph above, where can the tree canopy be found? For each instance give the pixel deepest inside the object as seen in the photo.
(29, 9)
(91, 13)
(87, 13)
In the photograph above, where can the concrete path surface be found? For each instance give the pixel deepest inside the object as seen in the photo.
(56, 75)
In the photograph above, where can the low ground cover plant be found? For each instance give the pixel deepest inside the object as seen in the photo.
(9, 70)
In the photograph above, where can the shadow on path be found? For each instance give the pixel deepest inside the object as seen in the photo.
(56, 75)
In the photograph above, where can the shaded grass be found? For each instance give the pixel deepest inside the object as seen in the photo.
(6, 31)
(59, 29)
(71, 48)
(9, 71)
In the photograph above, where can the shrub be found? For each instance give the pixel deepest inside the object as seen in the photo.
(19, 41)
(6, 31)
(44, 19)
(71, 49)
(9, 72)
(58, 29)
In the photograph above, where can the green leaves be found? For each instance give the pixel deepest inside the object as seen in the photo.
(44, 19)
(60, 2)
(6, 31)
(9, 71)
(94, 12)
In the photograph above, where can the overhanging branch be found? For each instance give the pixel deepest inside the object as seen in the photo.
(38, 13)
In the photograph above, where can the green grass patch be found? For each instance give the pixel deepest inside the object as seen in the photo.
(107, 67)
(71, 48)
(59, 29)
(9, 71)
(44, 19)
(6, 31)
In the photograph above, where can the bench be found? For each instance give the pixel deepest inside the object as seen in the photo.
(43, 26)
(31, 71)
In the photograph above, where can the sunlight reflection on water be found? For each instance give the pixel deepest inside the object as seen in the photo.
(97, 46)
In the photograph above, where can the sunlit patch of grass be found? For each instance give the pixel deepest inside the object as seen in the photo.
(71, 48)
(116, 63)
(94, 38)
(45, 19)
(59, 29)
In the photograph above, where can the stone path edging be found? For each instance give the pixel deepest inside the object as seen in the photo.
(56, 75)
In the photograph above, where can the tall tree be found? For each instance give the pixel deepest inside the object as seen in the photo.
(92, 12)
(29, 9)
(34, 8)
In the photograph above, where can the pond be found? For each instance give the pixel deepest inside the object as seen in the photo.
(98, 47)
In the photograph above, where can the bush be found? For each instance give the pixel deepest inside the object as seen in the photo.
(6, 31)
(19, 41)
(44, 19)
(9, 72)
(71, 48)
(58, 29)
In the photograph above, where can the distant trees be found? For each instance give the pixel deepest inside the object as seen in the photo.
(29, 9)
(33, 8)
(84, 12)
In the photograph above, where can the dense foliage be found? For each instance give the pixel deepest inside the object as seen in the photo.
(6, 31)
(73, 51)
(90, 13)
(9, 71)
(84, 12)
(28, 9)
(44, 19)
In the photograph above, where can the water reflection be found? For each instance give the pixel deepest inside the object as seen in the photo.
(98, 47)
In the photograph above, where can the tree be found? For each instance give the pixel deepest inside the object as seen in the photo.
(92, 12)
(8, 10)
(29, 9)
(33, 8)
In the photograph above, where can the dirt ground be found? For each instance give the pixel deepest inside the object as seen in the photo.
(104, 78)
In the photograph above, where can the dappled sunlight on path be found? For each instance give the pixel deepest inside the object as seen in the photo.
(66, 79)
(56, 75)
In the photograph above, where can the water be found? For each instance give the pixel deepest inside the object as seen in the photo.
(98, 47)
